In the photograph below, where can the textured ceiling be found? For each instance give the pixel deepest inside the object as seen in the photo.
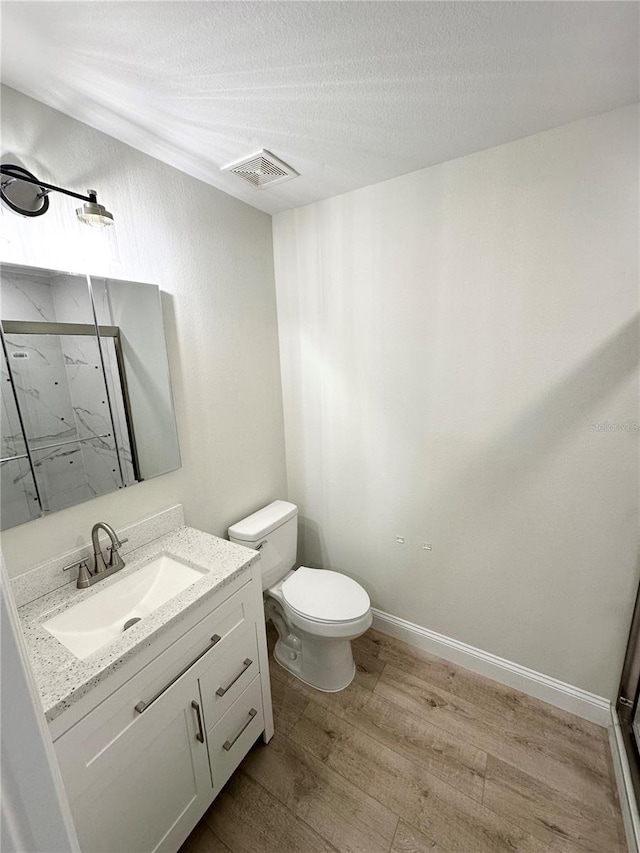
(347, 93)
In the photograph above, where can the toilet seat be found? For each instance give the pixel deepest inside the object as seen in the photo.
(325, 597)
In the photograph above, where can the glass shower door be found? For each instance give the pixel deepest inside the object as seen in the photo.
(20, 498)
(628, 703)
(69, 394)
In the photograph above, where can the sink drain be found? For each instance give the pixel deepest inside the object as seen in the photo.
(130, 622)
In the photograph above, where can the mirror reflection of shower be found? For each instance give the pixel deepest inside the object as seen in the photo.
(67, 411)
(69, 430)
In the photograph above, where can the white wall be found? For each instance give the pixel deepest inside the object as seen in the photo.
(448, 338)
(212, 257)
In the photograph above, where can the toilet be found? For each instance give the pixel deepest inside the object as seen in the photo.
(316, 612)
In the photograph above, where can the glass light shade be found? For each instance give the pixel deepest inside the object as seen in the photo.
(94, 214)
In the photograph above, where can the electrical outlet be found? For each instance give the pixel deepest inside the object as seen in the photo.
(426, 546)
(400, 540)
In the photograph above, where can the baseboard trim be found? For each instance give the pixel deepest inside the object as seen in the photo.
(586, 705)
(626, 794)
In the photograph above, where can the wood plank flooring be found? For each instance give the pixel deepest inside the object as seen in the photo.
(416, 755)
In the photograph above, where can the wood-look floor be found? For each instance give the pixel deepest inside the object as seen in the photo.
(416, 755)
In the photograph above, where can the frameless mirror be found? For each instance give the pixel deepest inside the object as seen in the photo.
(86, 394)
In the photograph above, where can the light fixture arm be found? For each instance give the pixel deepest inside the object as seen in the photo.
(10, 173)
(91, 213)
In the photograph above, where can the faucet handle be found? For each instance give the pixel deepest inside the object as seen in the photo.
(114, 557)
(75, 565)
(84, 576)
(84, 573)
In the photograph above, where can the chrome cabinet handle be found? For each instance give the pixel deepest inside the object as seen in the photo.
(229, 743)
(196, 708)
(141, 707)
(245, 666)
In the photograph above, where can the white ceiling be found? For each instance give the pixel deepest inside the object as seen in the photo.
(348, 93)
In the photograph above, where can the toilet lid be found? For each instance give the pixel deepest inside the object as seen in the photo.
(325, 596)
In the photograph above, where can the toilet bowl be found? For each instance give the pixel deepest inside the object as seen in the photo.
(314, 636)
(316, 612)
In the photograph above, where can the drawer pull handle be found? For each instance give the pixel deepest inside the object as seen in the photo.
(141, 707)
(196, 708)
(229, 743)
(245, 666)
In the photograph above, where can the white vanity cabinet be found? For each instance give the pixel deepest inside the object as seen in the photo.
(145, 788)
(143, 766)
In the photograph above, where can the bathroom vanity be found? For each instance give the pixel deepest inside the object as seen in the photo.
(150, 726)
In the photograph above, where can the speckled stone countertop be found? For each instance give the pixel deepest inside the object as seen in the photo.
(63, 678)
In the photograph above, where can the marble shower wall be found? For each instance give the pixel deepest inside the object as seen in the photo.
(90, 403)
(19, 498)
(63, 400)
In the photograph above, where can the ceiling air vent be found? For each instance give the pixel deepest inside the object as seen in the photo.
(261, 170)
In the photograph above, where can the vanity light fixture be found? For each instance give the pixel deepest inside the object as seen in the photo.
(18, 194)
(94, 214)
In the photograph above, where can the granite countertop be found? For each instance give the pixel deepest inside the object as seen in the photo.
(62, 678)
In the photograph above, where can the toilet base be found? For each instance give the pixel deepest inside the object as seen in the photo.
(326, 665)
(317, 653)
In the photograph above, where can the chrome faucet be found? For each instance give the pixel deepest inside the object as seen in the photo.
(101, 569)
(115, 560)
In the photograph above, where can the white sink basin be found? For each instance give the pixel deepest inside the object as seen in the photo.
(100, 619)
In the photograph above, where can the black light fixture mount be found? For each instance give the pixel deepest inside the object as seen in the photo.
(17, 192)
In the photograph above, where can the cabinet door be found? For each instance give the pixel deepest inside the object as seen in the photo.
(145, 789)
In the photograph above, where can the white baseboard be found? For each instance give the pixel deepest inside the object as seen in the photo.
(626, 795)
(586, 705)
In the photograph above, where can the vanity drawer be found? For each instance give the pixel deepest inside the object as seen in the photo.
(229, 675)
(233, 736)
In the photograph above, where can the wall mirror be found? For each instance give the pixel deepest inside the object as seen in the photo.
(86, 394)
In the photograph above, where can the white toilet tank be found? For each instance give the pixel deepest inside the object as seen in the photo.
(276, 526)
